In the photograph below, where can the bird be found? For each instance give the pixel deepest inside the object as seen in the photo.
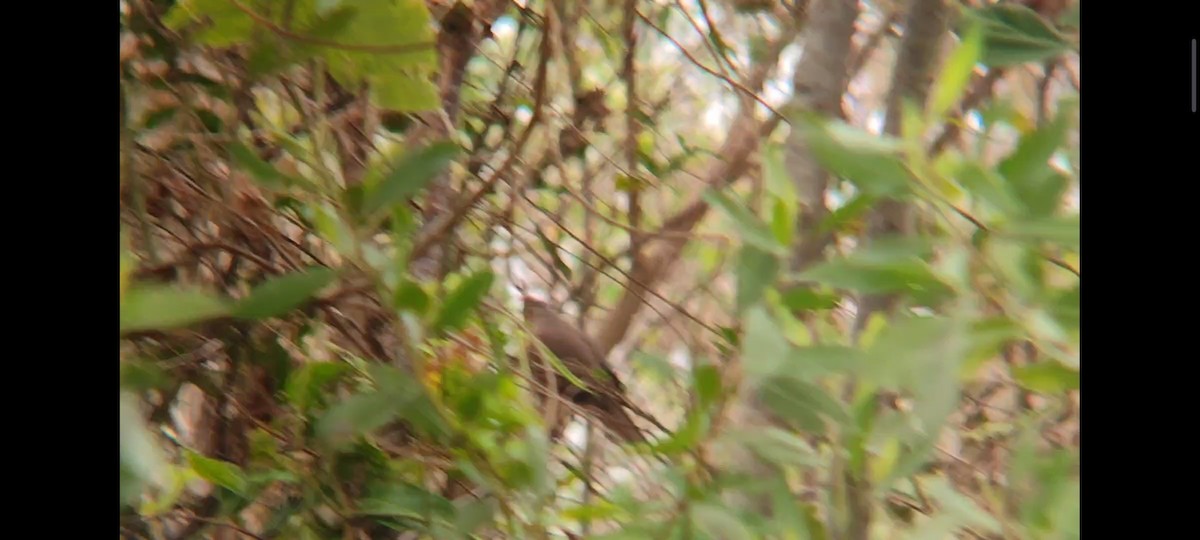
(604, 397)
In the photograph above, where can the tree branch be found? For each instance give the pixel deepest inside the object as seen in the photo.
(661, 250)
(916, 64)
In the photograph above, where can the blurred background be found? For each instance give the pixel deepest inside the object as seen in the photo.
(830, 248)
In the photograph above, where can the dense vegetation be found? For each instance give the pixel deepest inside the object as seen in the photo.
(831, 246)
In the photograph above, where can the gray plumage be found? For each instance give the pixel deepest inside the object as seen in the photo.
(604, 398)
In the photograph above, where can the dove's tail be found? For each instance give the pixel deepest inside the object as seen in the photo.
(617, 419)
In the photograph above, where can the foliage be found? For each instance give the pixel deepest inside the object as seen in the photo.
(272, 299)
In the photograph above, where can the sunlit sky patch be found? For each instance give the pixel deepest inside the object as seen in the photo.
(975, 120)
(504, 27)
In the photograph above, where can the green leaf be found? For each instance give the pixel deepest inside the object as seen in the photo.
(775, 173)
(271, 54)
(1045, 196)
(756, 271)
(1061, 231)
(912, 131)
(872, 162)
(263, 448)
(597, 510)
(474, 514)
(794, 519)
(988, 336)
(282, 294)
(707, 382)
(403, 500)
(325, 6)
(1066, 307)
(1047, 377)
(1027, 169)
(805, 405)
(264, 478)
(141, 376)
(142, 461)
(266, 174)
(273, 358)
(847, 213)
(811, 363)
(267, 57)
(384, 23)
(778, 446)
(1015, 34)
(957, 72)
(357, 415)
(989, 187)
(403, 224)
(719, 522)
(859, 273)
(896, 248)
(154, 119)
(131, 487)
(783, 222)
(1011, 260)
(409, 176)
(765, 350)
(164, 307)
(410, 296)
(1062, 512)
(922, 355)
(911, 344)
(532, 453)
(405, 94)
(910, 462)
(1070, 17)
(629, 184)
(783, 190)
(402, 392)
(939, 527)
(808, 299)
(333, 229)
(964, 510)
(330, 24)
(462, 301)
(211, 122)
(230, 25)
(128, 264)
(221, 473)
(695, 426)
(752, 230)
(1037, 477)
(636, 531)
(303, 387)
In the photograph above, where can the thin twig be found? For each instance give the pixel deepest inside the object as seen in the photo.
(631, 124)
(228, 524)
(716, 34)
(980, 91)
(627, 276)
(448, 220)
(873, 41)
(708, 44)
(1062, 264)
(736, 85)
(1043, 97)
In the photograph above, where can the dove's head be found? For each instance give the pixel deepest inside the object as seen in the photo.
(534, 306)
